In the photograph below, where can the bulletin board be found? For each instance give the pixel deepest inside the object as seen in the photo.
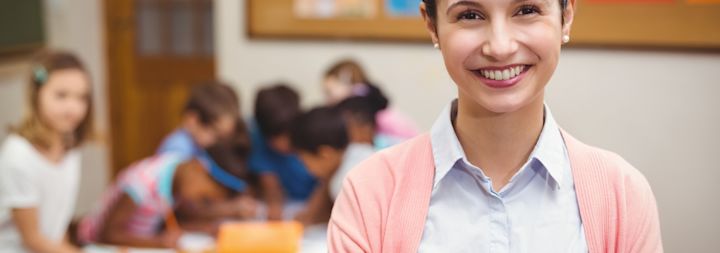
(690, 24)
(22, 26)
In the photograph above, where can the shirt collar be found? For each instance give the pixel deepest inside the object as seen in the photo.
(447, 151)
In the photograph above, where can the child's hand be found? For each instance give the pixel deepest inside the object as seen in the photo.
(323, 174)
(170, 238)
(246, 207)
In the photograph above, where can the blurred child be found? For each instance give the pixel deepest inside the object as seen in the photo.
(345, 79)
(40, 160)
(359, 114)
(231, 155)
(320, 139)
(210, 115)
(283, 177)
(139, 209)
(183, 177)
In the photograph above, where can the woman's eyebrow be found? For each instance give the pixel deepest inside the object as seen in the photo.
(462, 3)
(544, 2)
(469, 3)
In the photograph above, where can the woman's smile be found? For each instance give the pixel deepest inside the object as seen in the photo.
(502, 77)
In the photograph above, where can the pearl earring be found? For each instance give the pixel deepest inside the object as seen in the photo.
(436, 46)
(565, 39)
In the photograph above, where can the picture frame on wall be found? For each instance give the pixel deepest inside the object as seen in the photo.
(684, 24)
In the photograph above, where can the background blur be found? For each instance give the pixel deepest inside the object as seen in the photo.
(658, 108)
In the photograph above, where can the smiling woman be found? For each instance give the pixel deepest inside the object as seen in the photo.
(496, 173)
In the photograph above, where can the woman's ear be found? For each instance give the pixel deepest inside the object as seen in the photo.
(568, 17)
(430, 23)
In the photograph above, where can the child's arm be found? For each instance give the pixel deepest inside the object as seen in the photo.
(273, 194)
(318, 206)
(206, 216)
(27, 223)
(241, 207)
(67, 242)
(114, 230)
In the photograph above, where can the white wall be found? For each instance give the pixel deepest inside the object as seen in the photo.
(78, 26)
(11, 88)
(657, 109)
(75, 26)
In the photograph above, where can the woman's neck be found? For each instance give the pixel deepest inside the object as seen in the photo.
(498, 143)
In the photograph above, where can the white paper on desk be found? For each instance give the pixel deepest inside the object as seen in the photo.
(114, 249)
(314, 239)
(196, 242)
(190, 242)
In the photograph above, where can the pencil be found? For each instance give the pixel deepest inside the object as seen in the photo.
(171, 223)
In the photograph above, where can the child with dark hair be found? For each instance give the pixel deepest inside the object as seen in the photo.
(210, 115)
(320, 139)
(282, 176)
(140, 209)
(359, 114)
(197, 176)
(231, 157)
(345, 79)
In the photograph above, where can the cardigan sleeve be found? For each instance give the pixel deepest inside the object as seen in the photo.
(356, 221)
(646, 236)
(346, 229)
(643, 222)
(383, 202)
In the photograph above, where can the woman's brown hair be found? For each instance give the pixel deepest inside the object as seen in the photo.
(32, 126)
(431, 9)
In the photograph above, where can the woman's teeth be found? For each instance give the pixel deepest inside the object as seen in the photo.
(505, 74)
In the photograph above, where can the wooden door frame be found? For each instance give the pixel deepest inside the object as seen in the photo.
(125, 67)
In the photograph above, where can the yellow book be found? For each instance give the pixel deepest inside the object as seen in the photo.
(260, 237)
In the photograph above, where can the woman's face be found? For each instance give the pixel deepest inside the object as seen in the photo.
(64, 100)
(501, 54)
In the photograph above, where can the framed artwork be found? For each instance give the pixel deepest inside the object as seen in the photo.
(691, 24)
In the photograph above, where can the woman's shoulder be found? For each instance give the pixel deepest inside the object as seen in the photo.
(613, 193)
(595, 163)
(621, 172)
(398, 164)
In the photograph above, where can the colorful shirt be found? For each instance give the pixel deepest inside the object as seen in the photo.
(296, 180)
(181, 143)
(148, 183)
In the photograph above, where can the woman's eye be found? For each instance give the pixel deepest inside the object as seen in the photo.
(527, 10)
(469, 15)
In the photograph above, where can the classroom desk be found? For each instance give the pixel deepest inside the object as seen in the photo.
(313, 241)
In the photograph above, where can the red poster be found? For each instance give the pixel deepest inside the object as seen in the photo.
(703, 1)
(638, 1)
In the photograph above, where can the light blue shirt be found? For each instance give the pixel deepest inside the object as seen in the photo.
(537, 211)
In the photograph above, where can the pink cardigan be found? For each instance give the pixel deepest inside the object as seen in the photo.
(384, 201)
